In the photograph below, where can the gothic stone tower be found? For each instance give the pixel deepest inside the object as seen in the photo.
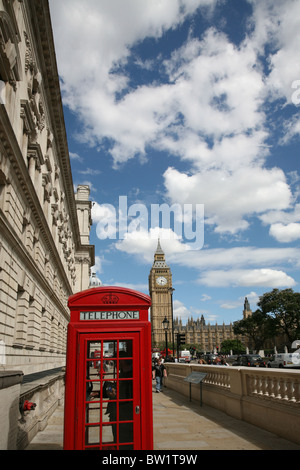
(247, 312)
(160, 290)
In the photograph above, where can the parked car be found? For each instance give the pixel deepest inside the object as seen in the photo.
(249, 360)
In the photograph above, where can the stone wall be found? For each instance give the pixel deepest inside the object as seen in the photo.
(46, 392)
(10, 384)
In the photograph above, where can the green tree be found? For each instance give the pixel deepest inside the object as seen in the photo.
(258, 327)
(283, 307)
(233, 345)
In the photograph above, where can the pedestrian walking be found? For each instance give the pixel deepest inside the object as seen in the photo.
(158, 373)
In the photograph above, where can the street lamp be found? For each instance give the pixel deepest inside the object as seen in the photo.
(171, 290)
(166, 327)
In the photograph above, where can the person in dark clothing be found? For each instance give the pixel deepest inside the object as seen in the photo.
(120, 405)
(158, 373)
(124, 403)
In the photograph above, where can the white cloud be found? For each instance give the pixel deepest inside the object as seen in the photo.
(252, 297)
(214, 92)
(245, 278)
(105, 217)
(291, 128)
(276, 24)
(215, 89)
(92, 45)
(238, 258)
(241, 266)
(181, 311)
(230, 197)
(137, 287)
(97, 268)
(284, 225)
(184, 314)
(285, 217)
(229, 306)
(75, 156)
(286, 32)
(143, 244)
(205, 297)
(90, 171)
(285, 233)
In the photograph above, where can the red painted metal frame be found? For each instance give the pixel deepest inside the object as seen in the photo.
(102, 337)
(108, 299)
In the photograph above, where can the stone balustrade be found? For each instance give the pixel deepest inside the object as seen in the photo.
(267, 398)
(278, 386)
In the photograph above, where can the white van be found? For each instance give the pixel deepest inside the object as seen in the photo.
(185, 356)
(286, 360)
(155, 355)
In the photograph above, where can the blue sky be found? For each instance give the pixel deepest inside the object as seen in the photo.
(192, 104)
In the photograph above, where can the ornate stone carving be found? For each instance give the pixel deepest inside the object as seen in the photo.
(55, 214)
(29, 61)
(9, 51)
(34, 78)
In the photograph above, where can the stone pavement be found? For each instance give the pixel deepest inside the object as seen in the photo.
(182, 425)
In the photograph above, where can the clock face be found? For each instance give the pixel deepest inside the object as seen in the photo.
(161, 281)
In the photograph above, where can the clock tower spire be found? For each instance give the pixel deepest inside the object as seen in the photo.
(160, 290)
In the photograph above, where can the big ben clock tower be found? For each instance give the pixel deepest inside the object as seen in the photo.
(160, 290)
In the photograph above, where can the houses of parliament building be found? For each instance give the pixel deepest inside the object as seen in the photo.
(206, 336)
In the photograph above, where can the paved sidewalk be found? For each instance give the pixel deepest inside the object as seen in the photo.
(181, 425)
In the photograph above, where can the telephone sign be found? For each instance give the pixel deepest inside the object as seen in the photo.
(108, 400)
(109, 315)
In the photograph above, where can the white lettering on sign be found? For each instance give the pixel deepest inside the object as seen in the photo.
(121, 315)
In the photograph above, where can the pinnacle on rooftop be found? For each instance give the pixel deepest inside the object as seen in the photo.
(159, 250)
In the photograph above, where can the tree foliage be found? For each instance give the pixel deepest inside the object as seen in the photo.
(233, 345)
(278, 313)
(258, 327)
(284, 309)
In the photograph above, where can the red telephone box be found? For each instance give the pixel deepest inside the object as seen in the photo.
(108, 394)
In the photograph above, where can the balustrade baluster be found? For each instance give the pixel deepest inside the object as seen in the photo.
(255, 383)
(281, 387)
(290, 390)
(285, 394)
(260, 385)
(264, 386)
(272, 384)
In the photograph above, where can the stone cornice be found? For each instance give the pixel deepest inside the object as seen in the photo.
(39, 13)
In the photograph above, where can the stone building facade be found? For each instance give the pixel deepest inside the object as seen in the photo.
(206, 336)
(210, 337)
(45, 253)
